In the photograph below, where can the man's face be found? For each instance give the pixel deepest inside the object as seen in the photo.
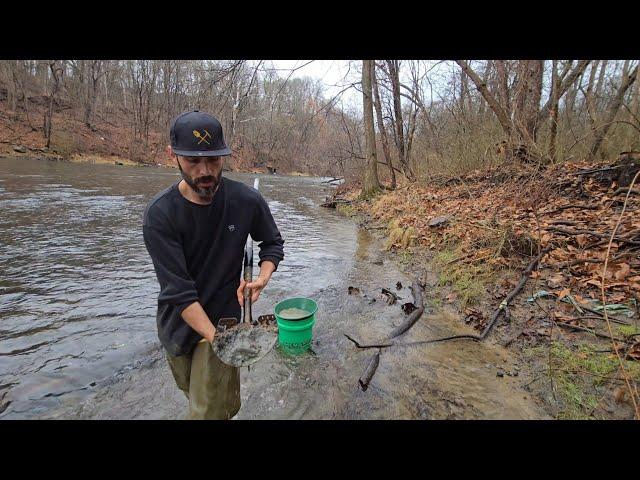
(202, 174)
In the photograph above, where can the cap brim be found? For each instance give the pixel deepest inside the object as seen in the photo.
(203, 153)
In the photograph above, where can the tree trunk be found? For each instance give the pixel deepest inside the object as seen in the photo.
(600, 84)
(588, 97)
(383, 131)
(554, 111)
(394, 76)
(56, 72)
(370, 184)
(626, 82)
(485, 79)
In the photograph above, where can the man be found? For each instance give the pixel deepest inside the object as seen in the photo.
(195, 232)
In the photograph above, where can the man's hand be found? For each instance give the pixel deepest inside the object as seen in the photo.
(256, 288)
(267, 268)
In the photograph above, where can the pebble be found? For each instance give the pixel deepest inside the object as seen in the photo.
(500, 373)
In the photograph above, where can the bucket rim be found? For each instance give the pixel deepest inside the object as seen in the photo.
(312, 313)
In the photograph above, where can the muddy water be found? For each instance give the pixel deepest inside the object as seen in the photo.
(77, 311)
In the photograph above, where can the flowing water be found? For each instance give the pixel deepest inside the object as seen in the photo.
(78, 301)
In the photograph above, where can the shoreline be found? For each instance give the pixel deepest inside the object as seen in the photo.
(559, 364)
(92, 159)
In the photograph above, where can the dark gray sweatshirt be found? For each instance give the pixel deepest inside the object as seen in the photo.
(197, 253)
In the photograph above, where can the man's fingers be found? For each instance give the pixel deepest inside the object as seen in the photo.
(240, 292)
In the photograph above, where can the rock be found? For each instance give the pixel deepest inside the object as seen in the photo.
(20, 149)
(439, 221)
(500, 373)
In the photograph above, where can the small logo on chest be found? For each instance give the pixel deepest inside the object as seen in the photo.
(231, 228)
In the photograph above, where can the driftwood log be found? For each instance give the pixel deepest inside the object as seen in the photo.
(335, 202)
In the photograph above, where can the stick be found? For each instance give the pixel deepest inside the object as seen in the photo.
(566, 325)
(572, 205)
(359, 345)
(589, 232)
(589, 172)
(514, 292)
(409, 344)
(625, 190)
(369, 372)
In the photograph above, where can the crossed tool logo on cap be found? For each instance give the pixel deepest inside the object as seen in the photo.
(203, 138)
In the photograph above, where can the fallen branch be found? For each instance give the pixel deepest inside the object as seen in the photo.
(568, 231)
(572, 205)
(505, 303)
(593, 332)
(409, 344)
(571, 223)
(625, 190)
(370, 371)
(589, 172)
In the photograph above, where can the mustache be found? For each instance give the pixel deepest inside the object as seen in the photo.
(207, 179)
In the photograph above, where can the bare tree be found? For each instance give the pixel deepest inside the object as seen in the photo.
(382, 129)
(370, 184)
(626, 81)
(57, 70)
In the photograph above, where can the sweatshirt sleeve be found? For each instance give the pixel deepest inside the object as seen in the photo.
(177, 288)
(265, 231)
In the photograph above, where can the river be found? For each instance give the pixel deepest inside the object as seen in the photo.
(78, 301)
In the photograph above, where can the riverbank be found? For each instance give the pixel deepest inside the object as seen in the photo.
(478, 233)
(106, 141)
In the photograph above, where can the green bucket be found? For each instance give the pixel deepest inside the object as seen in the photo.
(295, 336)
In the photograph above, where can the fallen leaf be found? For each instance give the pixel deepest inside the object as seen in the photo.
(563, 293)
(622, 271)
(555, 280)
(581, 240)
(593, 282)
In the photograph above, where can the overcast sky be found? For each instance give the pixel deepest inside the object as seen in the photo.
(336, 75)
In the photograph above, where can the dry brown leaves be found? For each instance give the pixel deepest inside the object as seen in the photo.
(575, 214)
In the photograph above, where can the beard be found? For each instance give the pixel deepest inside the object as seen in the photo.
(195, 183)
